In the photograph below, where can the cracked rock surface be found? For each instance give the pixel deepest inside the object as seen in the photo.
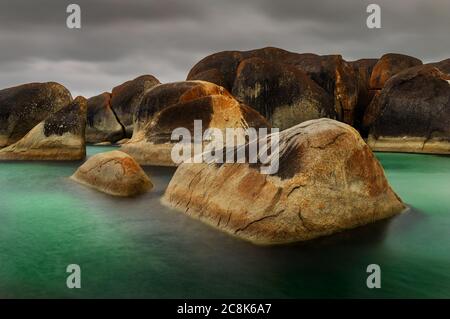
(328, 181)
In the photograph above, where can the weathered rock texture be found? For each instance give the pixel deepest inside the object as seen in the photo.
(102, 122)
(169, 94)
(174, 105)
(413, 113)
(253, 76)
(126, 98)
(114, 173)
(363, 69)
(23, 107)
(281, 93)
(111, 115)
(61, 136)
(337, 77)
(328, 181)
(389, 65)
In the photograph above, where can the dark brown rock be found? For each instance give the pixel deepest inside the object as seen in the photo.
(332, 73)
(282, 93)
(413, 112)
(363, 69)
(61, 136)
(126, 98)
(102, 123)
(372, 111)
(24, 106)
(219, 68)
(443, 66)
(389, 65)
(335, 76)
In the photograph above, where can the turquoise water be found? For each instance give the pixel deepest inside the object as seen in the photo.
(137, 248)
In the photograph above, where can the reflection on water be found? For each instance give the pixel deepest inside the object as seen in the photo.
(138, 248)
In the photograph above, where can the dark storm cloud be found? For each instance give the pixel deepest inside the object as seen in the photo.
(123, 39)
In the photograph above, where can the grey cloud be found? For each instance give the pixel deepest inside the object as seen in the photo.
(120, 40)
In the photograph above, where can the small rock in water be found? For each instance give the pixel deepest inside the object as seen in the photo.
(114, 173)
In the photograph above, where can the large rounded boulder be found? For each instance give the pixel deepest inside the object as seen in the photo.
(127, 97)
(114, 173)
(282, 93)
(61, 136)
(328, 180)
(219, 68)
(177, 106)
(412, 113)
(103, 124)
(169, 94)
(389, 65)
(273, 69)
(24, 106)
(336, 76)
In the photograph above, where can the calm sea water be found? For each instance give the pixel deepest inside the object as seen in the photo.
(138, 248)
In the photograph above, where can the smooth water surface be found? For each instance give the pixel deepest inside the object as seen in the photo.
(138, 248)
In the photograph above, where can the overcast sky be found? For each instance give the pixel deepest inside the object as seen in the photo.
(120, 39)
